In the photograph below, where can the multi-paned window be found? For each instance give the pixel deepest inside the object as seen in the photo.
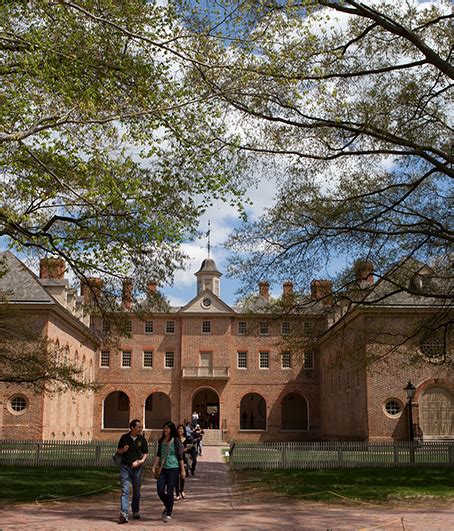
(105, 326)
(264, 360)
(128, 326)
(308, 360)
(126, 357)
(148, 358)
(206, 327)
(264, 329)
(104, 359)
(308, 327)
(18, 404)
(169, 360)
(286, 360)
(170, 327)
(285, 328)
(148, 327)
(242, 360)
(242, 328)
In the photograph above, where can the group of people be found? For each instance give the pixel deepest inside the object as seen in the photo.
(176, 457)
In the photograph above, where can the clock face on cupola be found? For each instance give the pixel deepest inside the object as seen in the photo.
(206, 302)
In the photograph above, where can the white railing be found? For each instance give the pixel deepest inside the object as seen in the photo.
(205, 372)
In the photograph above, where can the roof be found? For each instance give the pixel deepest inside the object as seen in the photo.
(208, 266)
(20, 284)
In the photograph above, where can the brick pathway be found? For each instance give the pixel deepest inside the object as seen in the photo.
(211, 504)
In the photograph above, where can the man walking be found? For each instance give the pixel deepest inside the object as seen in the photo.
(133, 449)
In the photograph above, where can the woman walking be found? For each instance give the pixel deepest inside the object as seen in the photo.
(170, 456)
(179, 487)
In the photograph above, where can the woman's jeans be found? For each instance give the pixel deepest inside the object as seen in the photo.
(128, 476)
(166, 485)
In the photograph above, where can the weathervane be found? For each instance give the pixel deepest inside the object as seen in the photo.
(208, 236)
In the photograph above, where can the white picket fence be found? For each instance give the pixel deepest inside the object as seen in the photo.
(294, 455)
(60, 453)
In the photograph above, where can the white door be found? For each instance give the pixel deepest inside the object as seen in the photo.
(206, 363)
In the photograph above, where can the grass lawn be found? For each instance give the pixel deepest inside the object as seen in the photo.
(366, 484)
(23, 484)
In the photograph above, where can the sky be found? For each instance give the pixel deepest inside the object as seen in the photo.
(223, 219)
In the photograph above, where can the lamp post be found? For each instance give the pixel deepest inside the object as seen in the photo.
(410, 391)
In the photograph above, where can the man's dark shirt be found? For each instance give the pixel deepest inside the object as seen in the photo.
(136, 448)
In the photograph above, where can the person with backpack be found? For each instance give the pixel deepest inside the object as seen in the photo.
(167, 466)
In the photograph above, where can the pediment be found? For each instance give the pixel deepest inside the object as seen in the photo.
(206, 302)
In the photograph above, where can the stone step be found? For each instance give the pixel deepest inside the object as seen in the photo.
(212, 438)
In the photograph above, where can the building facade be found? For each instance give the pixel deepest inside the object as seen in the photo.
(253, 373)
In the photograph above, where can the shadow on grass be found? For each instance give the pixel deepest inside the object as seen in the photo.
(365, 484)
(22, 484)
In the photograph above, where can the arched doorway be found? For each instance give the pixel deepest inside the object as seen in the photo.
(116, 410)
(206, 402)
(157, 411)
(295, 412)
(253, 412)
(436, 413)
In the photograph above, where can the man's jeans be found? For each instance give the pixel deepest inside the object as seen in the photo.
(130, 475)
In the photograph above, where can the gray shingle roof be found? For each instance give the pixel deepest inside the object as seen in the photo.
(19, 284)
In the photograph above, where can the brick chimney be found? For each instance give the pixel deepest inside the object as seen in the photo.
(152, 287)
(91, 289)
(264, 290)
(322, 290)
(53, 268)
(126, 295)
(364, 273)
(287, 289)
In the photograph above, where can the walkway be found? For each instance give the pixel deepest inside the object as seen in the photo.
(211, 504)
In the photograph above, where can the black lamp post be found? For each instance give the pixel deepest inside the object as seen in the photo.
(410, 390)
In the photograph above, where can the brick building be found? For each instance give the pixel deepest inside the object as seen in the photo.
(245, 369)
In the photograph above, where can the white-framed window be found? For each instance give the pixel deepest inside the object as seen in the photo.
(264, 360)
(128, 326)
(206, 327)
(148, 359)
(148, 327)
(126, 357)
(285, 328)
(264, 328)
(170, 327)
(242, 328)
(308, 360)
(104, 360)
(169, 360)
(286, 360)
(242, 360)
(17, 404)
(393, 408)
(433, 349)
(308, 327)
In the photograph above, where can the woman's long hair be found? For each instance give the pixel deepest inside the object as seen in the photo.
(173, 431)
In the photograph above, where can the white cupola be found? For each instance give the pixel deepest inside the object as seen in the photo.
(208, 277)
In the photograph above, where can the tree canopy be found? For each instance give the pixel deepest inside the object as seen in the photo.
(349, 103)
(108, 155)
